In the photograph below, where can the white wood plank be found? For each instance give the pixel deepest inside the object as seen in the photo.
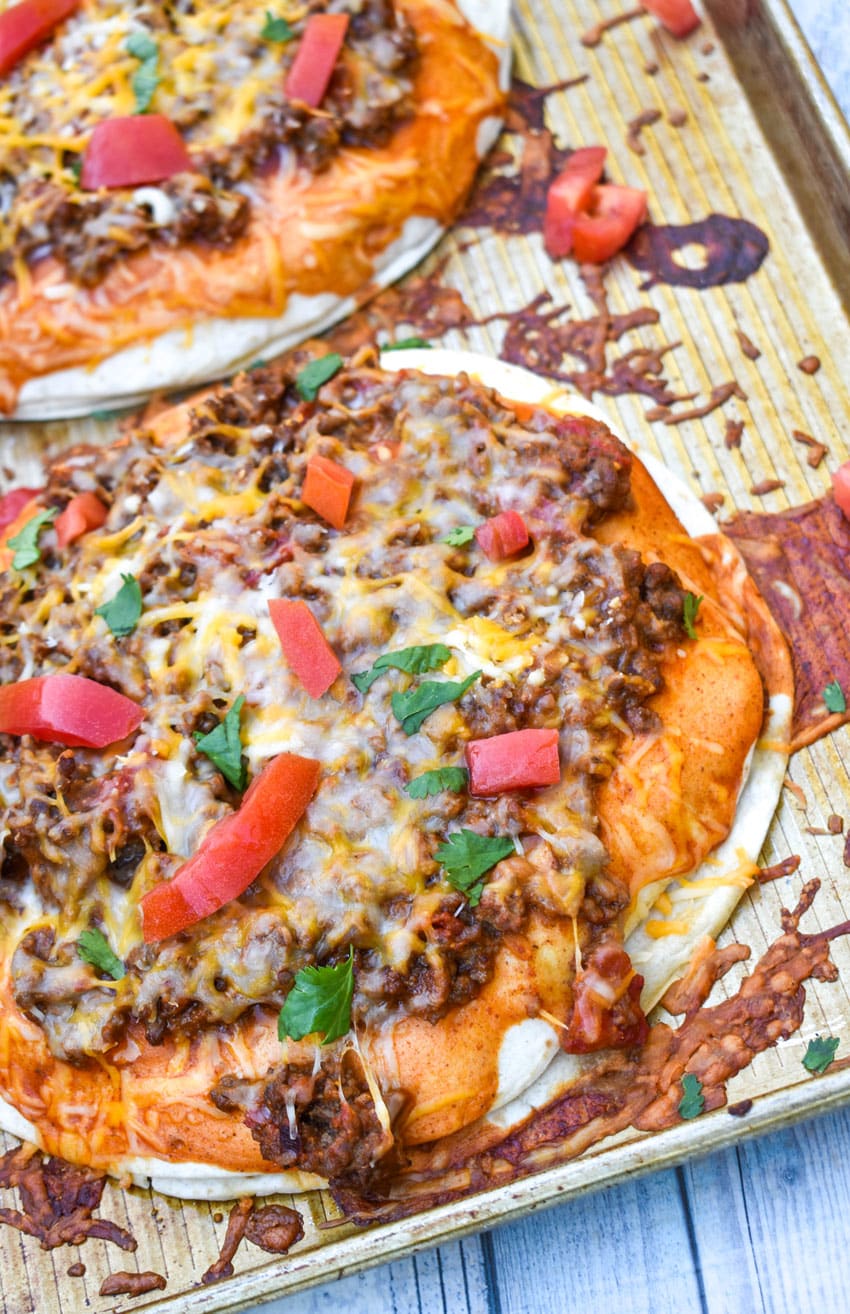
(451, 1280)
(720, 1225)
(622, 1251)
(798, 1202)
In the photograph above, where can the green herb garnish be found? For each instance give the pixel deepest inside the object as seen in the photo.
(276, 29)
(692, 1102)
(422, 657)
(93, 947)
(833, 696)
(223, 745)
(433, 782)
(413, 707)
(404, 343)
(820, 1054)
(466, 857)
(122, 612)
(319, 1001)
(690, 609)
(145, 80)
(311, 378)
(25, 543)
(460, 535)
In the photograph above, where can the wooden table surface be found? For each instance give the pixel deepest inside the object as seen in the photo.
(760, 1229)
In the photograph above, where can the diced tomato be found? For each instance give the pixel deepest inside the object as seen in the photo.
(614, 214)
(315, 60)
(327, 490)
(503, 535)
(83, 512)
(678, 16)
(68, 709)
(841, 487)
(235, 851)
(26, 25)
(568, 194)
(521, 759)
(130, 151)
(307, 651)
(13, 503)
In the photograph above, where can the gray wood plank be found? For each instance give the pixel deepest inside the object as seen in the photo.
(826, 26)
(450, 1280)
(625, 1251)
(720, 1226)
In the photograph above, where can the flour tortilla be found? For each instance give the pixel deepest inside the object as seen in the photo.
(531, 1067)
(214, 348)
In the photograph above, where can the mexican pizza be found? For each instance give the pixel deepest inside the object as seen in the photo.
(184, 188)
(378, 745)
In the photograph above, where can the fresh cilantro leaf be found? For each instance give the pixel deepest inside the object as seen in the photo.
(692, 1102)
(413, 707)
(223, 745)
(404, 343)
(107, 414)
(276, 29)
(833, 696)
(258, 364)
(311, 378)
(434, 782)
(145, 80)
(25, 543)
(320, 1000)
(820, 1053)
(142, 46)
(459, 535)
(690, 609)
(122, 612)
(466, 857)
(93, 947)
(422, 657)
(76, 167)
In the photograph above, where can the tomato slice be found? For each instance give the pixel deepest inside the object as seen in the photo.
(68, 709)
(83, 512)
(307, 651)
(678, 16)
(130, 151)
(26, 25)
(13, 503)
(521, 759)
(502, 536)
(568, 194)
(613, 216)
(327, 490)
(235, 851)
(315, 60)
(841, 487)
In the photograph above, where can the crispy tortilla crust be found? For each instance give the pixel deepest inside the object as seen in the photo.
(155, 1103)
(308, 234)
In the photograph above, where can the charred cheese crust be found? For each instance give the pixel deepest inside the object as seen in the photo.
(114, 1111)
(310, 236)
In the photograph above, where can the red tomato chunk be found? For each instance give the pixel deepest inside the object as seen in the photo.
(522, 759)
(128, 152)
(25, 26)
(83, 512)
(327, 490)
(13, 503)
(569, 194)
(308, 653)
(235, 851)
(502, 536)
(678, 16)
(316, 57)
(841, 487)
(68, 709)
(614, 214)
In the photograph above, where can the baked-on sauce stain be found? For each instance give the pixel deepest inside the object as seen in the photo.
(798, 558)
(734, 250)
(641, 1089)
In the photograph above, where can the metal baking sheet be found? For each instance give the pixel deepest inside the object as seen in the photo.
(746, 128)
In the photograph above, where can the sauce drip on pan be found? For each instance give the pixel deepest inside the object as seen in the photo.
(732, 250)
